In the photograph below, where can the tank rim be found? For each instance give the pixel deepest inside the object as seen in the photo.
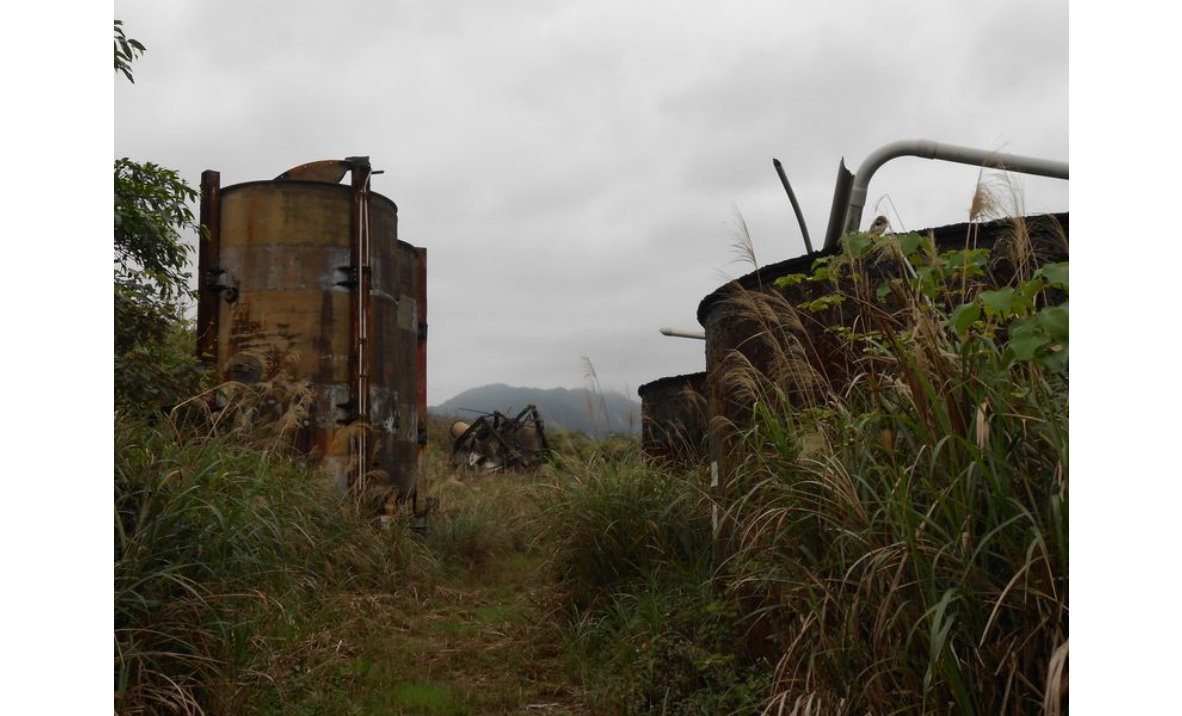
(305, 184)
(661, 382)
(799, 264)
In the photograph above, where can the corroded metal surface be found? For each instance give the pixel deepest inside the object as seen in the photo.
(674, 419)
(421, 376)
(312, 275)
(207, 261)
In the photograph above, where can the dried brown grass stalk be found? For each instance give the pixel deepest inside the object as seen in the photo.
(776, 354)
(741, 244)
(267, 412)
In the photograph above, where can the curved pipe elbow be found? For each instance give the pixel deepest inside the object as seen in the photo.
(928, 149)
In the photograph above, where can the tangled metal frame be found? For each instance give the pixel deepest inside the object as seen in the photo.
(497, 442)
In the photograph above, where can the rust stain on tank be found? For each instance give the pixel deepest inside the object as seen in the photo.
(322, 343)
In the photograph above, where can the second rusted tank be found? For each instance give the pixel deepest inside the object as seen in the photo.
(674, 419)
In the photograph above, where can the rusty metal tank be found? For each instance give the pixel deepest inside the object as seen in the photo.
(674, 419)
(748, 332)
(309, 271)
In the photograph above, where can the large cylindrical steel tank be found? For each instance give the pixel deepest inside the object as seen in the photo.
(749, 332)
(674, 419)
(309, 271)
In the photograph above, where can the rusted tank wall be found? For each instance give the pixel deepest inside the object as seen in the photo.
(674, 419)
(747, 331)
(312, 273)
(393, 381)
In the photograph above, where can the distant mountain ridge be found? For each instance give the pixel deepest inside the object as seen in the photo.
(560, 408)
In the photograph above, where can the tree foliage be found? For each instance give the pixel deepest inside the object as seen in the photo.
(126, 50)
(154, 364)
(151, 211)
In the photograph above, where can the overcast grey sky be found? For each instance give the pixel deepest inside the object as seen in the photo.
(574, 168)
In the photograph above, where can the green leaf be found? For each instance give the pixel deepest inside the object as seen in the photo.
(822, 303)
(790, 280)
(1022, 302)
(1054, 320)
(1055, 274)
(1027, 337)
(969, 258)
(909, 243)
(928, 278)
(963, 316)
(1055, 360)
(858, 244)
(1024, 295)
(999, 302)
(1027, 345)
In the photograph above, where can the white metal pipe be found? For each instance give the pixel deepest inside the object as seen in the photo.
(684, 333)
(928, 149)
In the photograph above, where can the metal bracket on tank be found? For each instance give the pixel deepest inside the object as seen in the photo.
(349, 407)
(212, 283)
(352, 275)
(422, 331)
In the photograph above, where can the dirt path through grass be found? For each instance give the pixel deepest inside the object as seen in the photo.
(479, 642)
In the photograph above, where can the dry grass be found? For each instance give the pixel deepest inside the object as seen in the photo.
(900, 506)
(742, 245)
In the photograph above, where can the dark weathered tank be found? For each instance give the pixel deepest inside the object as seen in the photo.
(674, 419)
(310, 272)
(748, 332)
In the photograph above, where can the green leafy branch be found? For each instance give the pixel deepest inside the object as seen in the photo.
(151, 210)
(126, 51)
(1033, 333)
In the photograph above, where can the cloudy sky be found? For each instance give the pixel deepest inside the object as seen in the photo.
(576, 169)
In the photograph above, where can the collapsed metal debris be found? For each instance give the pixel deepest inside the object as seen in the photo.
(496, 442)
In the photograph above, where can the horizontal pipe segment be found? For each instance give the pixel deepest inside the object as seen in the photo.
(928, 149)
(684, 333)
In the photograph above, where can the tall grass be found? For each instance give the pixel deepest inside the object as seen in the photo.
(225, 556)
(617, 521)
(902, 542)
(632, 553)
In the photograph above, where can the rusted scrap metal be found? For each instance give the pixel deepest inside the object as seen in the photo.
(496, 442)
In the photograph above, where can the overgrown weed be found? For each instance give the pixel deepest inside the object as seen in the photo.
(633, 559)
(223, 555)
(902, 536)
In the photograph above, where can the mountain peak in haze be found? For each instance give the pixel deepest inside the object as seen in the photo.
(594, 414)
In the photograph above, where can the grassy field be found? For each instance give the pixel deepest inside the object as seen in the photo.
(895, 540)
(244, 586)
